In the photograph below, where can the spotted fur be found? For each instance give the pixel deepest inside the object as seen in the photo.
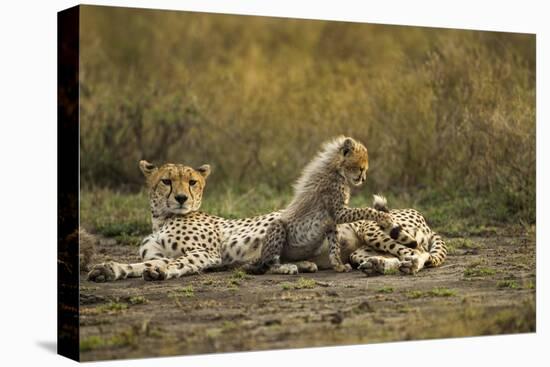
(372, 251)
(320, 203)
(187, 241)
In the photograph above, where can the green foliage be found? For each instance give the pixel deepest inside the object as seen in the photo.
(391, 271)
(187, 291)
(512, 284)
(435, 292)
(302, 283)
(122, 339)
(442, 292)
(385, 290)
(137, 300)
(124, 216)
(415, 294)
(256, 96)
(478, 272)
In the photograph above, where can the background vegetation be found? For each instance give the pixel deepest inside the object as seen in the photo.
(448, 115)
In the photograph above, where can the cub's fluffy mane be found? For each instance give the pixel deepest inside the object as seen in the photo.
(326, 160)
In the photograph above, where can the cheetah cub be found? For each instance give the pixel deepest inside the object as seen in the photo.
(320, 203)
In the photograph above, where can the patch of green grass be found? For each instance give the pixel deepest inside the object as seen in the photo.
(234, 283)
(391, 271)
(187, 291)
(478, 272)
(415, 294)
(123, 216)
(137, 300)
(463, 243)
(435, 292)
(240, 274)
(128, 240)
(286, 286)
(125, 338)
(511, 284)
(229, 325)
(302, 283)
(91, 343)
(385, 290)
(442, 292)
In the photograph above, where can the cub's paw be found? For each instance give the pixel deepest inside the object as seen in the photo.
(155, 272)
(342, 268)
(380, 265)
(104, 272)
(285, 269)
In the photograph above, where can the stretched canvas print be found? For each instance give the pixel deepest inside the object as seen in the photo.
(241, 183)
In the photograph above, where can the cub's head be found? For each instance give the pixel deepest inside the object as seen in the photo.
(354, 161)
(174, 188)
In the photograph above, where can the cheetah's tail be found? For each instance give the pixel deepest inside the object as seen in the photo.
(380, 203)
(438, 251)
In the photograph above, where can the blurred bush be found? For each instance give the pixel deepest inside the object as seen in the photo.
(451, 110)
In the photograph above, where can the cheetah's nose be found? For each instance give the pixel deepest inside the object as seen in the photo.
(181, 198)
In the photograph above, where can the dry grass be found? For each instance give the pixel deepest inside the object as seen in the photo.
(255, 96)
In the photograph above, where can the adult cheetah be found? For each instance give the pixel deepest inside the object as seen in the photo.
(372, 251)
(184, 240)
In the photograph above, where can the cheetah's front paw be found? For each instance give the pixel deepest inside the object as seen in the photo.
(155, 272)
(342, 268)
(285, 269)
(411, 264)
(102, 273)
(379, 265)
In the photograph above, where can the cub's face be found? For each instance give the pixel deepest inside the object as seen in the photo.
(175, 188)
(355, 161)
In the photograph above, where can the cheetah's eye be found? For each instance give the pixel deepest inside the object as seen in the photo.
(166, 181)
(192, 182)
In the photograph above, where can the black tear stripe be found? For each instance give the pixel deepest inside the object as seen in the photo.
(191, 195)
(170, 192)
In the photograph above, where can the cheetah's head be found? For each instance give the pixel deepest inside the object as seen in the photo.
(174, 188)
(354, 161)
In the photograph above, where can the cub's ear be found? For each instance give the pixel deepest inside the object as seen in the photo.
(347, 146)
(204, 170)
(147, 168)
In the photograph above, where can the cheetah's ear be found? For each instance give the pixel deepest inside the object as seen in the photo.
(347, 146)
(204, 170)
(147, 168)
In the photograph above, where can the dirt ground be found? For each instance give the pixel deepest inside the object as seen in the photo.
(486, 287)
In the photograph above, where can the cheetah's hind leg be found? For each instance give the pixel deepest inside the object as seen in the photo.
(269, 260)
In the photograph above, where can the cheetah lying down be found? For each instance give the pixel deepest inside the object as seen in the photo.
(187, 241)
(319, 205)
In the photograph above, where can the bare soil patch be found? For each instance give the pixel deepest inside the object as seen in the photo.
(486, 287)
